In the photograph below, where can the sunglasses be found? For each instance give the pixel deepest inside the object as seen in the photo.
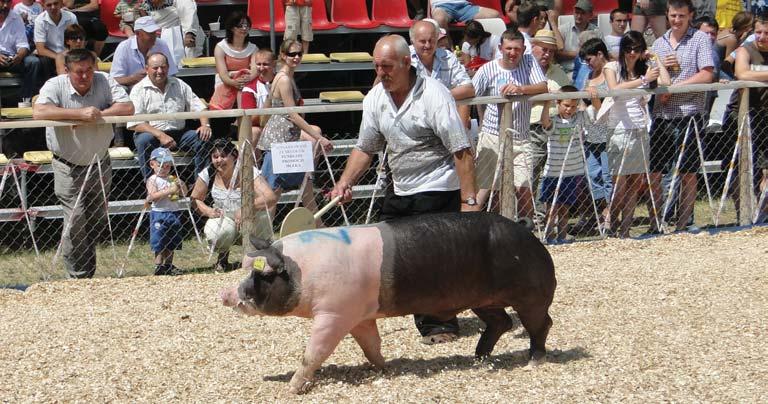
(244, 25)
(76, 38)
(635, 49)
(294, 54)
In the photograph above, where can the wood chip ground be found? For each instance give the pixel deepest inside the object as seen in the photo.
(676, 318)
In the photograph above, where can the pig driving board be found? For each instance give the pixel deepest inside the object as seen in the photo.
(300, 219)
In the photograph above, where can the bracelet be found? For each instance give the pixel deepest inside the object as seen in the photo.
(207, 124)
(643, 80)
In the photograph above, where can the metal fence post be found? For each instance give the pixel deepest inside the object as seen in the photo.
(746, 203)
(247, 207)
(507, 197)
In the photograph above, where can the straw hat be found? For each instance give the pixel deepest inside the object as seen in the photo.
(544, 37)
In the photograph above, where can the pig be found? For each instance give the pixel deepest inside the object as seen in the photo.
(344, 278)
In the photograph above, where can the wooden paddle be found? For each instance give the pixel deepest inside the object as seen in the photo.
(300, 219)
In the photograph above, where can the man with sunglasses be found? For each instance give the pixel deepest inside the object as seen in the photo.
(130, 60)
(15, 56)
(619, 23)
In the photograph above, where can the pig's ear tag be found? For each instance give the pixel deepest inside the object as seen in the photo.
(259, 263)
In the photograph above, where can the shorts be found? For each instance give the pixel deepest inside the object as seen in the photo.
(488, 157)
(657, 7)
(397, 206)
(666, 139)
(633, 142)
(164, 231)
(570, 190)
(298, 20)
(460, 12)
(286, 182)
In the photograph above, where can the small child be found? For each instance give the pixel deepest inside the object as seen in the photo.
(164, 218)
(129, 11)
(298, 20)
(562, 130)
(29, 10)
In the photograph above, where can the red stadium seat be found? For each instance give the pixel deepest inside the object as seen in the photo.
(393, 13)
(494, 5)
(352, 14)
(320, 18)
(258, 11)
(107, 14)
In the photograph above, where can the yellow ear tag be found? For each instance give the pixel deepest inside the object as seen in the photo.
(259, 263)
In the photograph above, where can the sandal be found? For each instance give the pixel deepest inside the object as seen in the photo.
(439, 338)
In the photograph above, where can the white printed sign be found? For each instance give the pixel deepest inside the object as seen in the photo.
(292, 157)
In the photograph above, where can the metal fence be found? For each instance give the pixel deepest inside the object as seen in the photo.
(714, 174)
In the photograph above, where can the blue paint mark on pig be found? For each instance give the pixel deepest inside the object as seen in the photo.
(340, 234)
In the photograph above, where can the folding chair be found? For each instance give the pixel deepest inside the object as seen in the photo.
(320, 18)
(258, 11)
(107, 15)
(392, 13)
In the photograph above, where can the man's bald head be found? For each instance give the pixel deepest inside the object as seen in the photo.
(424, 28)
(395, 44)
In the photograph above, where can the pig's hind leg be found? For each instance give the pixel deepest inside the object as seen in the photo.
(327, 332)
(497, 322)
(367, 336)
(537, 322)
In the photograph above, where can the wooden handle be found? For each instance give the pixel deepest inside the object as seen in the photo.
(327, 207)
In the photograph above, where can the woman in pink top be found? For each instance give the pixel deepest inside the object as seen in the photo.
(235, 61)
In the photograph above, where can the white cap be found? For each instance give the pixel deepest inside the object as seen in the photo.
(146, 24)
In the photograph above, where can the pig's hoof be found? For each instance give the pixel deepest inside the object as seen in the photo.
(301, 386)
(536, 361)
(439, 338)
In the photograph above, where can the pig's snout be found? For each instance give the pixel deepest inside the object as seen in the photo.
(229, 297)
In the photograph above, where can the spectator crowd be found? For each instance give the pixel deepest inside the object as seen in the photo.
(597, 158)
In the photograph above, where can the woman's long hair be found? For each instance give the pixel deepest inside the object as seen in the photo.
(475, 30)
(233, 21)
(633, 39)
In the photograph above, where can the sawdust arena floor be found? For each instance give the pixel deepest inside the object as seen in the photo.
(675, 318)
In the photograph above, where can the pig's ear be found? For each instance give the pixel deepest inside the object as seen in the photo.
(259, 243)
(275, 260)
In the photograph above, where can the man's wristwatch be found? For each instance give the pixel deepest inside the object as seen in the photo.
(470, 201)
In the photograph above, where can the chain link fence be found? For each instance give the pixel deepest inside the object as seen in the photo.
(709, 168)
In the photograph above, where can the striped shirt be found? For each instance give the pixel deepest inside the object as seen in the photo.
(694, 53)
(565, 132)
(445, 68)
(489, 80)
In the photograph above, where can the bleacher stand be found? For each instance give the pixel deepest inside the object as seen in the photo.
(15, 55)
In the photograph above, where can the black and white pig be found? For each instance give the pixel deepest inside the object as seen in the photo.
(345, 278)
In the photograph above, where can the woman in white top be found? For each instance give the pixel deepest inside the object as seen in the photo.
(223, 224)
(235, 61)
(479, 47)
(628, 146)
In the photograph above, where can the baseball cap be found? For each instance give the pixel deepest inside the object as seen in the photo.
(146, 24)
(585, 5)
(161, 155)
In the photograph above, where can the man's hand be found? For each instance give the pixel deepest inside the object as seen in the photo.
(204, 132)
(5, 60)
(644, 4)
(325, 143)
(16, 60)
(138, 76)
(90, 114)
(166, 141)
(344, 189)
(510, 89)
(472, 208)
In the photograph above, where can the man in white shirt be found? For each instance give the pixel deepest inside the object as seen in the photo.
(516, 73)
(448, 11)
(432, 165)
(81, 95)
(582, 15)
(619, 23)
(49, 33)
(15, 56)
(159, 94)
(440, 64)
(129, 62)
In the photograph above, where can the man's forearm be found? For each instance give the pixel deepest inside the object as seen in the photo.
(42, 50)
(119, 109)
(358, 162)
(465, 169)
(127, 80)
(462, 92)
(702, 77)
(54, 113)
(534, 89)
(147, 128)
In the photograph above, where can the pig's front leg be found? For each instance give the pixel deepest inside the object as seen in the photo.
(367, 336)
(327, 332)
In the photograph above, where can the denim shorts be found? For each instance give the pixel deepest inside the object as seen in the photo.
(164, 231)
(286, 182)
(569, 193)
(460, 12)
